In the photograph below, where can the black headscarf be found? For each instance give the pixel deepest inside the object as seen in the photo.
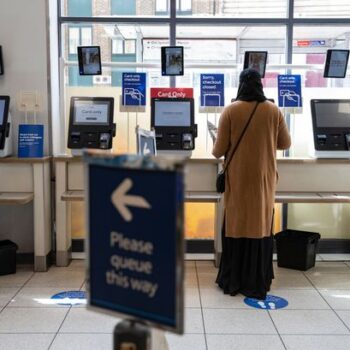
(250, 86)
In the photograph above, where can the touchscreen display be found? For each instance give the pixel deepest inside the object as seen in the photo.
(256, 60)
(333, 115)
(89, 60)
(172, 113)
(2, 111)
(173, 60)
(91, 112)
(336, 63)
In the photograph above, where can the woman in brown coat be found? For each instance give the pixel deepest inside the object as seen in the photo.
(251, 176)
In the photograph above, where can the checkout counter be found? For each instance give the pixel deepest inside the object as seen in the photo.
(307, 180)
(5, 127)
(300, 181)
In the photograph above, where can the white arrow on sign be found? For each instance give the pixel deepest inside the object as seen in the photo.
(122, 200)
(146, 150)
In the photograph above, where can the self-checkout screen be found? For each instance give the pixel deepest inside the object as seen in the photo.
(172, 113)
(91, 112)
(333, 114)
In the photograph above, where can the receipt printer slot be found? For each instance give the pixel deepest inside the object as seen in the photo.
(173, 137)
(321, 140)
(75, 137)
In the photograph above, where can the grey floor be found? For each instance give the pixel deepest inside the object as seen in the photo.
(317, 317)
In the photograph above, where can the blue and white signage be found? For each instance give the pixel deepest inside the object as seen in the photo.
(134, 89)
(212, 90)
(30, 141)
(271, 302)
(289, 91)
(72, 297)
(136, 240)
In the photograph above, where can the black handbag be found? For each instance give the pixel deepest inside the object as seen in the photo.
(220, 178)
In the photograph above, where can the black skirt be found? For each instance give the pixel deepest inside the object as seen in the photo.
(246, 266)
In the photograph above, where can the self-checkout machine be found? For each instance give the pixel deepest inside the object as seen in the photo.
(331, 127)
(172, 118)
(331, 117)
(90, 118)
(91, 124)
(5, 127)
(133, 99)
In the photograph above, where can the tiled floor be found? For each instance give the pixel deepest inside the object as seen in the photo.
(317, 317)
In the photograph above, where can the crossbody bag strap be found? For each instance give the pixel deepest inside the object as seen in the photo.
(240, 138)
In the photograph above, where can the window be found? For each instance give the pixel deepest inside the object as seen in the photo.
(322, 8)
(123, 47)
(162, 7)
(130, 47)
(117, 46)
(183, 7)
(123, 8)
(79, 36)
(78, 8)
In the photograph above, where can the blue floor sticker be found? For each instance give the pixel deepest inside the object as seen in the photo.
(69, 298)
(271, 302)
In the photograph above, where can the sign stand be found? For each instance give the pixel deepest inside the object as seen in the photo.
(206, 135)
(128, 133)
(130, 335)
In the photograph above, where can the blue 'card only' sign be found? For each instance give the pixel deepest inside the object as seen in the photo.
(289, 91)
(212, 90)
(30, 140)
(134, 89)
(135, 243)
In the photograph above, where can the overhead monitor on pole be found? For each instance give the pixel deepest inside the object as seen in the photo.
(256, 60)
(336, 63)
(89, 58)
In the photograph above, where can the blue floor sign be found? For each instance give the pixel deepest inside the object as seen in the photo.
(70, 298)
(271, 302)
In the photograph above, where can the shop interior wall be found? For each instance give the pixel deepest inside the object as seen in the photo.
(23, 38)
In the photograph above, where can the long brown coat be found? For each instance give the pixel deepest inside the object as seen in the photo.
(252, 174)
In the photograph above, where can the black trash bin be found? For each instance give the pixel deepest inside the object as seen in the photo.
(7, 257)
(296, 249)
